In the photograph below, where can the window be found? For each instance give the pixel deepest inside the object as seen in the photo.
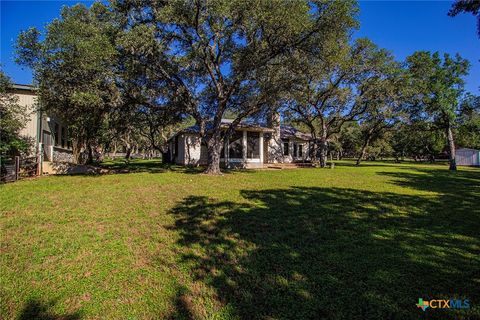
(295, 150)
(300, 150)
(285, 147)
(56, 134)
(253, 145)
(235, 147)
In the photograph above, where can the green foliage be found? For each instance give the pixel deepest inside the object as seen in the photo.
(438, 84)
(13, 118)
(360, 82)
(73, 68)
(468, 6)
(438, 87)
(468, 122)
(208, 59)
(419, 140)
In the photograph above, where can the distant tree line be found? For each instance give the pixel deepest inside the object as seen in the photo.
(131, 73)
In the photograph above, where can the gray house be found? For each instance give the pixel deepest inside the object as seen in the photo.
(48, 133)
(250, 146)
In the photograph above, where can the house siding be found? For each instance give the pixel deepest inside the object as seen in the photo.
(43, 137)
(467, 157)
(192, 152)
(29, 100)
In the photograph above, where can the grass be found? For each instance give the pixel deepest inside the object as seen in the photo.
(347, 243)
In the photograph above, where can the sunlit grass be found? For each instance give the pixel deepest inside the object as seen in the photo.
(165, 242)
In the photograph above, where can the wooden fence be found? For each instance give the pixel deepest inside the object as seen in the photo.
(13, 169)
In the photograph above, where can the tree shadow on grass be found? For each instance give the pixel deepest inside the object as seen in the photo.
(331, 253)
(459, 190)
(156, 166)
(39, 310)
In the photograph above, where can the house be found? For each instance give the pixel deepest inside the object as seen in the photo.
(250, 146)
(467, 157)
(48, 133)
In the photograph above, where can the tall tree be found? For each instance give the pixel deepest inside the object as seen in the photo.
(418, 139)
(13, 117)
(468, 122)
(73, 68)
(208, 58)
(439, 86)
(335, 89)
(385, 105)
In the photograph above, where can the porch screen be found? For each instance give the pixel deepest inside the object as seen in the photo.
(235, 148)
(285, 147)
(253, 145)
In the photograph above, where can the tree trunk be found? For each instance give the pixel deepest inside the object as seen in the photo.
(362, 153)
(114, 150)
(323, 153)
(313, 150)
(128, 152)
(213, 150)
(323, 146)
(90, 154)
(77, 151)
(451, 148)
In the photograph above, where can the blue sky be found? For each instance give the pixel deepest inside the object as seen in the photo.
(399, 26)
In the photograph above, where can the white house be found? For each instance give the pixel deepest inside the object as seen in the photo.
(467, 157)
(250, 146)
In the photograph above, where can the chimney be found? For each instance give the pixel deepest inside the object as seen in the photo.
(275, 152)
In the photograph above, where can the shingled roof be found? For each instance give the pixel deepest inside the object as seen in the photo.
(286, 132)
(226, 123)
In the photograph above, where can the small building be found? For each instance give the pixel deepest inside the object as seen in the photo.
(250, 146)
(467, 157)
(48, 132)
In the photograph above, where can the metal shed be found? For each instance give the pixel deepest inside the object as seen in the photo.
(467, 157)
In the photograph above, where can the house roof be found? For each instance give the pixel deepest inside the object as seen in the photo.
(286, 132)
(250, 126)
(26, 87)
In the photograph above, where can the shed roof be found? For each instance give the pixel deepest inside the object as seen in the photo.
(470, 149)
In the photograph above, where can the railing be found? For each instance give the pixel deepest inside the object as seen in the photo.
(13, 169)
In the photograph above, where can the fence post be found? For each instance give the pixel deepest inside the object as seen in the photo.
(39, 164)
(17, 167)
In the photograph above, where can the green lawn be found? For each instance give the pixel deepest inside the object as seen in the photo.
(347, 243)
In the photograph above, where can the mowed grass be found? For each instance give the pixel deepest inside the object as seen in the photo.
(347, 243)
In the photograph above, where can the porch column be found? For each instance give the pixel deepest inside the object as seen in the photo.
(244, 146)
(290, 147)
(261, 147)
